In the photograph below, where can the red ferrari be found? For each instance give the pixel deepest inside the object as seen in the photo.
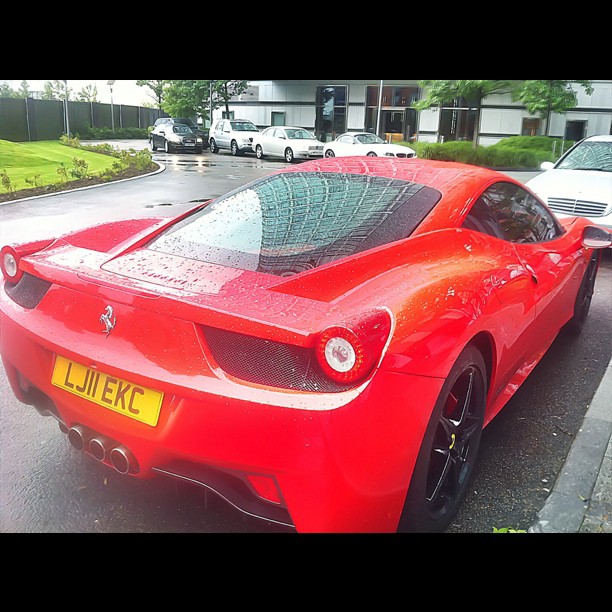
(321, 347)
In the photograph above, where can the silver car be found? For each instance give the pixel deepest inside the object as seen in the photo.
(234, 135)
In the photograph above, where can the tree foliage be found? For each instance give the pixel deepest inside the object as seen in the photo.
(189, 98)
(444, 92)
(224, 91)
(89, 93)
(56, 90)
(539, 97)
(157, 90)
(546, 97)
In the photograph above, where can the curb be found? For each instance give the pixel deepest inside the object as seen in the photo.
(581, 500)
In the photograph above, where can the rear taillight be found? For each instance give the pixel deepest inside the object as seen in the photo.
(10, 257)
(348, 353)
(10, 265)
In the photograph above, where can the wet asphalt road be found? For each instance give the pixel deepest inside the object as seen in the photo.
(48, 487)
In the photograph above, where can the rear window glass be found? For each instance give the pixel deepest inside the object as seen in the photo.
(295, 221)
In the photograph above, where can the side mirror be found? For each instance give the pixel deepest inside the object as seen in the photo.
(596, 237)
(546, 166)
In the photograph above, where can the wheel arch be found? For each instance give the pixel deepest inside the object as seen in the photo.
(483, 341)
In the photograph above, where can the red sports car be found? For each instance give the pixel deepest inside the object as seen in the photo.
(321, 347)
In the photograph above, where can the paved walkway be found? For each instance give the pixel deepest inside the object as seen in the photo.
(581, 500)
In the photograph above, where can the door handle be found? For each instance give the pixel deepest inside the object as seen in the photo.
(534, 276)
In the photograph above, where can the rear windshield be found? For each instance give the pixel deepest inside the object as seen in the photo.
(291, 222)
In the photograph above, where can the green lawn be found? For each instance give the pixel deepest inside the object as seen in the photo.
(26, 160)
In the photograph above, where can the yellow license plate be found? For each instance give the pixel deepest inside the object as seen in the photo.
(122, 396)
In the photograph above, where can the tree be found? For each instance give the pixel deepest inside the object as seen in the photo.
(55, 90)
(546, 97)
(157, 88)
(224, 91)
(89, 93)
(444, 92)
(6, 90)
(187, 98)
(24, 90)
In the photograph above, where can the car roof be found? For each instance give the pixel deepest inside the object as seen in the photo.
(437, 174)
(599, 138)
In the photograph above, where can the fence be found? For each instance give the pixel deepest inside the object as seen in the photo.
(27, 119)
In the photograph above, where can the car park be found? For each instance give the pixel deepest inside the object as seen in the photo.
(346, 346)
(288, 143)
(172, 137)
(365, 143)
(234, 135)
(580, 182)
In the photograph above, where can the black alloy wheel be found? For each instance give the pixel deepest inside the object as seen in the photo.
(449, 450)
(585, 295)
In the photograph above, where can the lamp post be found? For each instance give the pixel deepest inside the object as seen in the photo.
(110, 84)
(380, 95)
(66, 108)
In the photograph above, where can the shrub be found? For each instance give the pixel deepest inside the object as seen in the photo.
(117, 134)
(524, 152)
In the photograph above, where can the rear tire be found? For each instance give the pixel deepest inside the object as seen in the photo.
(446, 460)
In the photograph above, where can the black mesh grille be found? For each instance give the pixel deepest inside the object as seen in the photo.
(268, 363)
(28, 291)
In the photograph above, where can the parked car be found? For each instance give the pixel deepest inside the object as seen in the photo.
(196, 129)
(174, 136)
(321, 346)
(365, 143)
(235, 135)
(290, 143)
(580, 182)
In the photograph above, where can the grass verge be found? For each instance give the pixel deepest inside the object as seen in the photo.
(44, 167)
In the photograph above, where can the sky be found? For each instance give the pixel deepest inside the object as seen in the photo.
(124, 92)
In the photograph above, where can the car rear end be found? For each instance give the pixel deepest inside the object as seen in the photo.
(240, 374)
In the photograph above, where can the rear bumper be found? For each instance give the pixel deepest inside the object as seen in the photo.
(338, 463)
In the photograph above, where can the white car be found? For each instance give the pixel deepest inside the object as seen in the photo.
(290, 143)
(235, 135)
(365, 143)
(579, 184)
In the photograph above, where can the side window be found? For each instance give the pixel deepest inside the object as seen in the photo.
(509, 212)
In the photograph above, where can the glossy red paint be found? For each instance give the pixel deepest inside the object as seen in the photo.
(339, 459)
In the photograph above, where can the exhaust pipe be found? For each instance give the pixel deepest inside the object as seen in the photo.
(122, 459)
(98, 447)
(76, 437)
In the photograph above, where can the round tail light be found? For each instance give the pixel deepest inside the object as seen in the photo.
(347, 353)
(10, 265)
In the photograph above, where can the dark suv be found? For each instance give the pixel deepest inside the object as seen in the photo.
(189, 123)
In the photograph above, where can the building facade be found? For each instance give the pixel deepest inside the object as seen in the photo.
(332, 107)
